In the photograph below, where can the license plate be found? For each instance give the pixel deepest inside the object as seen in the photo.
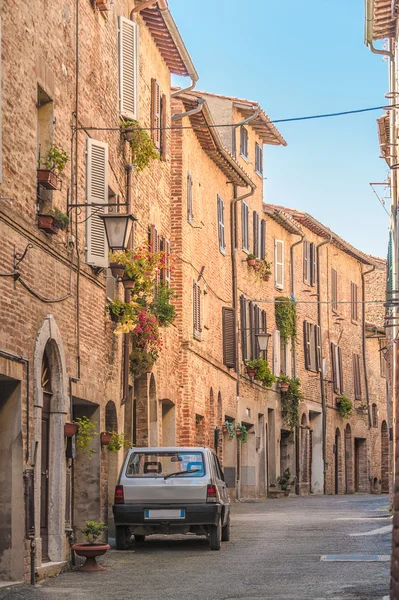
(164, 513)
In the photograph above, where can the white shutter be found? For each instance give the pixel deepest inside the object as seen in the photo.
(96, 193)
(276, 353)
(279, 264)
(128, 68)
(288, 358)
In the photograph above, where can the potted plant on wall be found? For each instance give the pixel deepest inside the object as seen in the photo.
(91, 550)
(53, 220)
(284, 382)
(50, 168)
(85, 435)
(141, 144)
(286, 482)
(344, 406)
(251, 260)
(228, 427)
(241, 433)
(261, 371)
(264, 270)
(114, 441)
(70, 429)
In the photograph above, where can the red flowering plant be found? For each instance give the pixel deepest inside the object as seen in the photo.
(146, 343)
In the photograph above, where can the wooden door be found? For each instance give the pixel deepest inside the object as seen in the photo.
(44, 494)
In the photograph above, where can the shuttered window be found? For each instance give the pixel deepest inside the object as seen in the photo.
(243, 323)
(165, 273)
(309, 263)
(197, 309)
(276, 352)
(336, 361)
(334, 290)
(279, 264)
(128, 68)
(245, 226)
(256, 234)
(357, 381)
(243, 142)
(190, 214)
(229, 338)
(96, 193)
(156, 113)
(163, 130)
(354, 305)
(286, 357)
(154, 245)
(258, 159)
(222, 242)
(263, 321)
(312, 346)
(263, 239)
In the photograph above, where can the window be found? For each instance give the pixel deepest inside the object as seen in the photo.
(244, 333)
(159, 464)
(336, 361)
(263, 239)
(222, 243)
(259, 159)
(96, 192)
(128, 68)
(334, 291)
(357, 382)
(165, 273)
(354, 313)
(257, 234)
(286, 358)
(243, 142)
(309, 263)
(197, 309)
(154, 246)
(229, 338)
(383, 362)
(252, 321)
(190, 214)
(279, 264)
(374, 415)
(312, 341)
(45, 120)
(156, 113)
(276, 353)
(163, 131)
(245, 226)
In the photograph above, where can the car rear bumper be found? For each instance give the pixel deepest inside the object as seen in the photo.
(195, 514)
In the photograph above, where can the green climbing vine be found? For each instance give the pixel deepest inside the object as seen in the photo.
(290, 403)
(285, 314)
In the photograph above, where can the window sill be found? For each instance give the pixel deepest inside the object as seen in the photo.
(197, 336)
(259, 174)
(244, 157)
(222, 251)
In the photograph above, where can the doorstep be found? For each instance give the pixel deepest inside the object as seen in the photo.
(8, 584)
(51, 569)
(275, 493)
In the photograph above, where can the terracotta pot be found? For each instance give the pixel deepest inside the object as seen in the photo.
(250, 372)
(102, 4)
(47, 179)
(251, 262)
(118, 270)
(266, 277)
(257, 264)
(114, 318)
(105, 438)
(284, 387)
(128, 283)
(129, 135)
(48, 224)
(238, 432)
(90, 552)
(224, 428)
(70, 429)
(287, 492)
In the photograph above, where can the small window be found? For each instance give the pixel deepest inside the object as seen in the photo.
(245, 226)
(279, 264)
(243, 142)
(309, 263)
(383, 361)
(374, 415)
(190, 213)
(312, 342)
(197, 309)
(334, 291)
(357, 382)
(259, 159)
(222, 242)
(338, 376)
(354, 305)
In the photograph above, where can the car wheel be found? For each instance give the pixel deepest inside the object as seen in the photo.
(139, 538)
(226, 531)
(215, 536)
(122, 537)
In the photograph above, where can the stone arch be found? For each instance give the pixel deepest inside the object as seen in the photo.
(348, 460)
(153, 411)
(49, 347)
(338, 462)
(304, 453)
(384, 458)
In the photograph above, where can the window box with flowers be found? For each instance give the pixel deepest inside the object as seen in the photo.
(51, 167)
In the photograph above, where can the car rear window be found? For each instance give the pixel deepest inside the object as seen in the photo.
(161, 464)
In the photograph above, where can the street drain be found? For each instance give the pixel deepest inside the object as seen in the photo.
(355, 557)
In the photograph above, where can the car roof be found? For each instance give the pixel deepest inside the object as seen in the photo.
(171, 449)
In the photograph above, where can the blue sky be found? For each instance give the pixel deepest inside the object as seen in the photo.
(302, 58)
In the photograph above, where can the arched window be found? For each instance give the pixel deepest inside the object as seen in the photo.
(374, 415)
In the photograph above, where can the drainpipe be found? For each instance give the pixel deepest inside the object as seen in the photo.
(194, 111)
(323, 397)
(303, 237)
(366, 379)
(368, 31)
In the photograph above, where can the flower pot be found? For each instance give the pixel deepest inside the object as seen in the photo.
(238, 432)
(129, 134)
(114, 318)
(287, 492)
(70, 429)
(250, 372)
(284, 387)
(47, 179)
(251, 262)
(224, 428)
(102, 4)
(90, 552)
(128, 283)
(48, 224)
(257, 264)
(105, 438)
(118, 270)
(266, 277)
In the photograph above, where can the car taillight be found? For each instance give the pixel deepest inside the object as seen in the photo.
(119, 499)
(211, 493)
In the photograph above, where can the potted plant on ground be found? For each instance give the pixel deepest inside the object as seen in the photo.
(286, 482)
(91, 550)
(228, 427)
(241, 433)
(50, 168)
(344, 406)
(284, 382)
(251, 260)
(53, 221)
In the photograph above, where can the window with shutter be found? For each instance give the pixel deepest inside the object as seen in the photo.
(319, 359)
(197, 309)
(286, 357)
(156, 113)
(257, 234)
(243, 321)
(245, 226)
(354, 312)
(264, 330)
(306, 339)
(309, 263)
(163, 130)
(190, 214)
(257, 328)
(243, 142)
(154, 243)
(263, 239)
(96, 193)
(357, 381)
(252, 339)
(165, 273)
(279, 264)
(229, 338)
(259, 159)
(205, 308)
(341, 372)
(336, 360)
(128, 68)
(276, 353)
(334, 291)
(374, 413)
(313, 261)
(312, 346)
(222, 243)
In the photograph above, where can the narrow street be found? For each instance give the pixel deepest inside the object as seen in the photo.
(275, 552)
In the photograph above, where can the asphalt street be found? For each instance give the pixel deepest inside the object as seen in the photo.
(279, 549)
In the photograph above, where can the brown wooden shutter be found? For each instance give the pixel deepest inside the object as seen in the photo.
(256, 233)
(156, 113)
(263, 239)
(229, 338)
(334, 367)
(357, 377)
(264, 330)
(354, 312)
(197, 309)
(252, 330)
(334, 296)
(165, 273)
(341, 374)
(243, 319)
(306, 262)
(190, 213)
(306, 344)
(257, 330)
(318, 349)
(313, 259)
(220, 205)
(163, 130)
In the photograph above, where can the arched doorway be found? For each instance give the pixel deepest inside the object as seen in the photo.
(338, 462)
(384, 458)
(111, 458)
(46, 384)
(304, 454)
(348, 460)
